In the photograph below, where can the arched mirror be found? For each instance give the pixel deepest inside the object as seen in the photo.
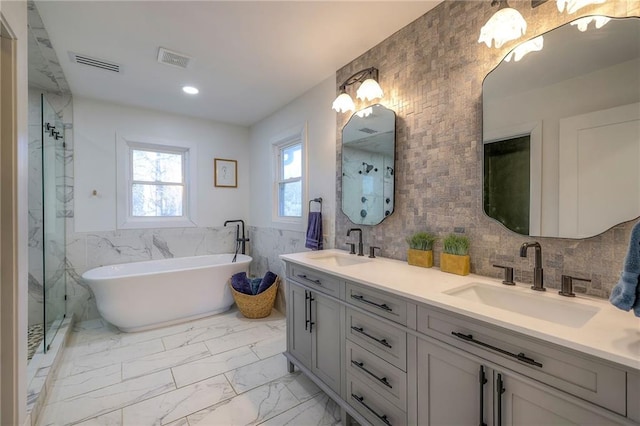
(368, 165)
(561, 131)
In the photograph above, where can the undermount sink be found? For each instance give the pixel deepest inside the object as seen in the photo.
(517, 300)
(336, 259)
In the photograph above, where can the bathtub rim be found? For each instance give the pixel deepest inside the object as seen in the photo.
(87, 274)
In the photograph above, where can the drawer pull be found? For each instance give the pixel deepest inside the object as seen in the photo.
(360, 330)
(304, 277)
(360, 298)
(360, 399)
(520, 357)
(382, 380)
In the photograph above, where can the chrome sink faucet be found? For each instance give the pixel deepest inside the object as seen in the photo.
(538, 279)
(360, 245)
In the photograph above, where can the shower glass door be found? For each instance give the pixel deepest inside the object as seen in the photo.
(53, 200)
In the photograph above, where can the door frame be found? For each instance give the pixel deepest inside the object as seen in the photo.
(9, 282)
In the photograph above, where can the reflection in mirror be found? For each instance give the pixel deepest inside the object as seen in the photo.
(577, 101)
(368, 169)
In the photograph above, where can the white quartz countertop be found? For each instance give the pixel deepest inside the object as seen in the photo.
(611, 334)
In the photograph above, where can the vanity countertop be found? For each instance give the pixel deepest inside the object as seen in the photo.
(611, 334)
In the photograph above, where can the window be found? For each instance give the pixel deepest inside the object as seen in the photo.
(289, 167)
(155, 183)
(158, 185)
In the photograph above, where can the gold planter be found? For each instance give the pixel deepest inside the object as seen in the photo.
(460, 265)
(423, 258)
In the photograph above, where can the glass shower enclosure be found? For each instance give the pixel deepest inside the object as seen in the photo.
(47, 218)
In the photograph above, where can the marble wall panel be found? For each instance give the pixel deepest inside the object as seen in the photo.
(85, 251)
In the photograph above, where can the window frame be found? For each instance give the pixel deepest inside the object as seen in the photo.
(292, 137)
(125, 182)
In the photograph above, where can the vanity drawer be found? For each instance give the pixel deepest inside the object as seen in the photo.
(567, 370)
(372, 405)
(378, 302)
(383, 340)
(323, 283)
(379, 375)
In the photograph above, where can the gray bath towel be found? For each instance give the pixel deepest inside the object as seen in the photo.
(626, 294)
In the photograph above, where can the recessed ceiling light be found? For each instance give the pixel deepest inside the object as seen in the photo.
(190, 90)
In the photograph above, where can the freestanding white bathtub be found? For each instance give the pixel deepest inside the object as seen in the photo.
(143, 295)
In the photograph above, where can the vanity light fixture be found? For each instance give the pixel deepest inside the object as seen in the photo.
(368, 90)
(533, 45)
(583, 23)
(572, 6)
(505, 25)
(190, 90)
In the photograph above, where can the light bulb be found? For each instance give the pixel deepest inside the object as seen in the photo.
(369, 90)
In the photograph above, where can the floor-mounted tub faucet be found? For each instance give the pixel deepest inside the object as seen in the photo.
(360, 245)
(538, 279)
(239, 241)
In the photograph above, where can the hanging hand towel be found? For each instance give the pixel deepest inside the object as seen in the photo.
(314, 231)
(625, 294)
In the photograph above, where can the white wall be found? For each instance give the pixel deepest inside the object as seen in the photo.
(267, 241)
(96, 124)
(314, 109)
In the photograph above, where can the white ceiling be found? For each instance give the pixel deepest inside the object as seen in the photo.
(250, 58)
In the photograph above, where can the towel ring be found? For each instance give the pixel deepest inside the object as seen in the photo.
(315, 200)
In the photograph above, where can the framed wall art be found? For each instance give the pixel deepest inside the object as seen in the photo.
(225, 173)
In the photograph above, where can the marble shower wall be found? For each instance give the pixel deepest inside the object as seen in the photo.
(432, 72)
(87, 250)
(59, 204)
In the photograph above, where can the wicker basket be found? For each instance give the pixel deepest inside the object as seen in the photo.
(256, 306)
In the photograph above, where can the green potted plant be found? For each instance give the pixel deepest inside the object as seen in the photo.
(420, 252)
(455, 255)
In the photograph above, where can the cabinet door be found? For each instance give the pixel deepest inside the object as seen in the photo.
(452, 389)
(521, 403)
(298, 333)
(326, 358)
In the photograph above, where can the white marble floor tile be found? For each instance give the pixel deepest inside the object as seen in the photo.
(105, 400)
(178, 403)
(253, 375)
(75, 365)
(206, 333)
(213, 365)
(163, 360)
(249, 408)
(242, 338)
(270, 347)
(301, 386)
(179, 422)
(113, 418)
(78, 384)
(318, 411)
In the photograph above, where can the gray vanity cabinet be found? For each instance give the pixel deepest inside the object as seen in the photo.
(313, 333)
(522, 402)
(452, 389)
(461, 389)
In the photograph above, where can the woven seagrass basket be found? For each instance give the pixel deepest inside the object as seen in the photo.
(256, 306)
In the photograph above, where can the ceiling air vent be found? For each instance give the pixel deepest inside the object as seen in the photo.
(94, 62)
(175, 59)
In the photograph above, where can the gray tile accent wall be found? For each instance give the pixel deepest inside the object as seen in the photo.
(432, 72)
